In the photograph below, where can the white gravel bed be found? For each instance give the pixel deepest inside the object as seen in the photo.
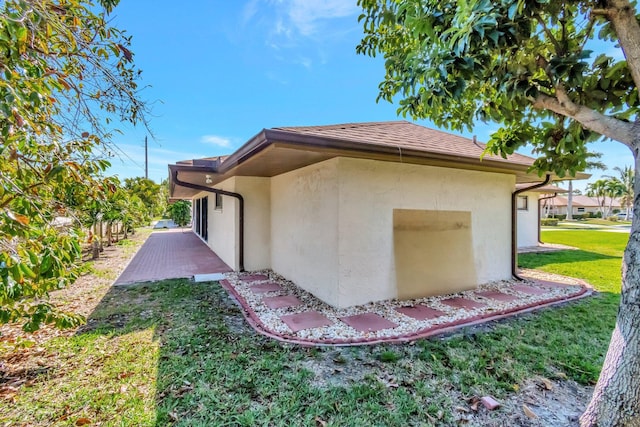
(270, 318)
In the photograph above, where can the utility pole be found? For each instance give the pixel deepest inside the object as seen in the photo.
(146, 159)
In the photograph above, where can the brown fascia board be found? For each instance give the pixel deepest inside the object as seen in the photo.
(298, 140)
(267, 137)
(252, 147)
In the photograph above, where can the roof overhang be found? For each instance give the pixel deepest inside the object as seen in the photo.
(548, 189)
(273, 152)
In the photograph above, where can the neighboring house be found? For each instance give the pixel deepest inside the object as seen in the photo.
(529, 206)
(581, 205)
(359, 212)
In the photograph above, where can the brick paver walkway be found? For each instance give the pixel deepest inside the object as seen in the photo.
(171, 254)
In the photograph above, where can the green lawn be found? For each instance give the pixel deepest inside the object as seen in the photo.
(598, 259)
(180, 353)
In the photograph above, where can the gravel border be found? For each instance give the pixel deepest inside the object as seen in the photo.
(267, 321)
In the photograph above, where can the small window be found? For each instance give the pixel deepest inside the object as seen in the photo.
(580, 210)
(523, 203)
(218, 205)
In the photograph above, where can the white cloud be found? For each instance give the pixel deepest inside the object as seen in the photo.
(249, 11)
(305, 62)
(218, 141)
(305, 15)
(292, 19)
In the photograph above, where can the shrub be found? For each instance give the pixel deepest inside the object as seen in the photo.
(613, 218)
(549, 222)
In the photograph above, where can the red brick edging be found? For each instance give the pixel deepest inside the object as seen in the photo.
(257, 324)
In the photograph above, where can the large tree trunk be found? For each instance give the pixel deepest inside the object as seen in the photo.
(616, 398)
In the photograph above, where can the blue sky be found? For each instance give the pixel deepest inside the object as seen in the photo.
(219, 71)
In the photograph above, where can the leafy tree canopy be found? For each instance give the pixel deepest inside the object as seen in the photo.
(65, 75)
(180, 212)
(153, 195)
(528, 64)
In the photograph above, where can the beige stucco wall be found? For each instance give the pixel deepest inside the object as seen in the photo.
(224, 223)
(304, 228)
(371, 190)
(223, 232)
(256, 192)
(329, 227)
(332, 228)
(528, 222)
(423, 241)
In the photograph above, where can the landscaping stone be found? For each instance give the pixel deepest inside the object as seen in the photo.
(314, 322)
(368, 322)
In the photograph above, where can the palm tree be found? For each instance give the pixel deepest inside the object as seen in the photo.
(598, 190)
(592, 163)
(613, 190)
(626, 178)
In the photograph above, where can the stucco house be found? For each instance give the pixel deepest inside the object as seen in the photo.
(530, 208)
(360, 212)
(581, 205)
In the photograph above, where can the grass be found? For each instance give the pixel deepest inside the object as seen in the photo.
(179, 353)
(598, 259)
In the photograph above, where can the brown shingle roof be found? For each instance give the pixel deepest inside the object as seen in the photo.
(405, 135)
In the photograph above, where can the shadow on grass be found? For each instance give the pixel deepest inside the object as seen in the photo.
(190, 344)
(535, 260)
(210, 367)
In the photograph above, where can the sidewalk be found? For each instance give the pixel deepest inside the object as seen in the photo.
(171, 254)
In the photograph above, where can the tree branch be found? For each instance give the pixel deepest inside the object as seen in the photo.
(622, 16)
(591, 119)
(550, 35)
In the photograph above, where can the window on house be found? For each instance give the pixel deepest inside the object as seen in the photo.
(218, 205)
(523, 203)
(580, 210)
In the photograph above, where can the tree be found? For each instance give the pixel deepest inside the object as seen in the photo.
(180, 212)
(65, 74)
(151, 194)
(528, 65)
(626, 178)
(598, 191)
(613, 190)
(592, 164)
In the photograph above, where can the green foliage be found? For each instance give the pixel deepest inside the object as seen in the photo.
(523, 64)
(152, 195)
(64, 74)
(549, 222)
(626, 182)
(180, 212)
